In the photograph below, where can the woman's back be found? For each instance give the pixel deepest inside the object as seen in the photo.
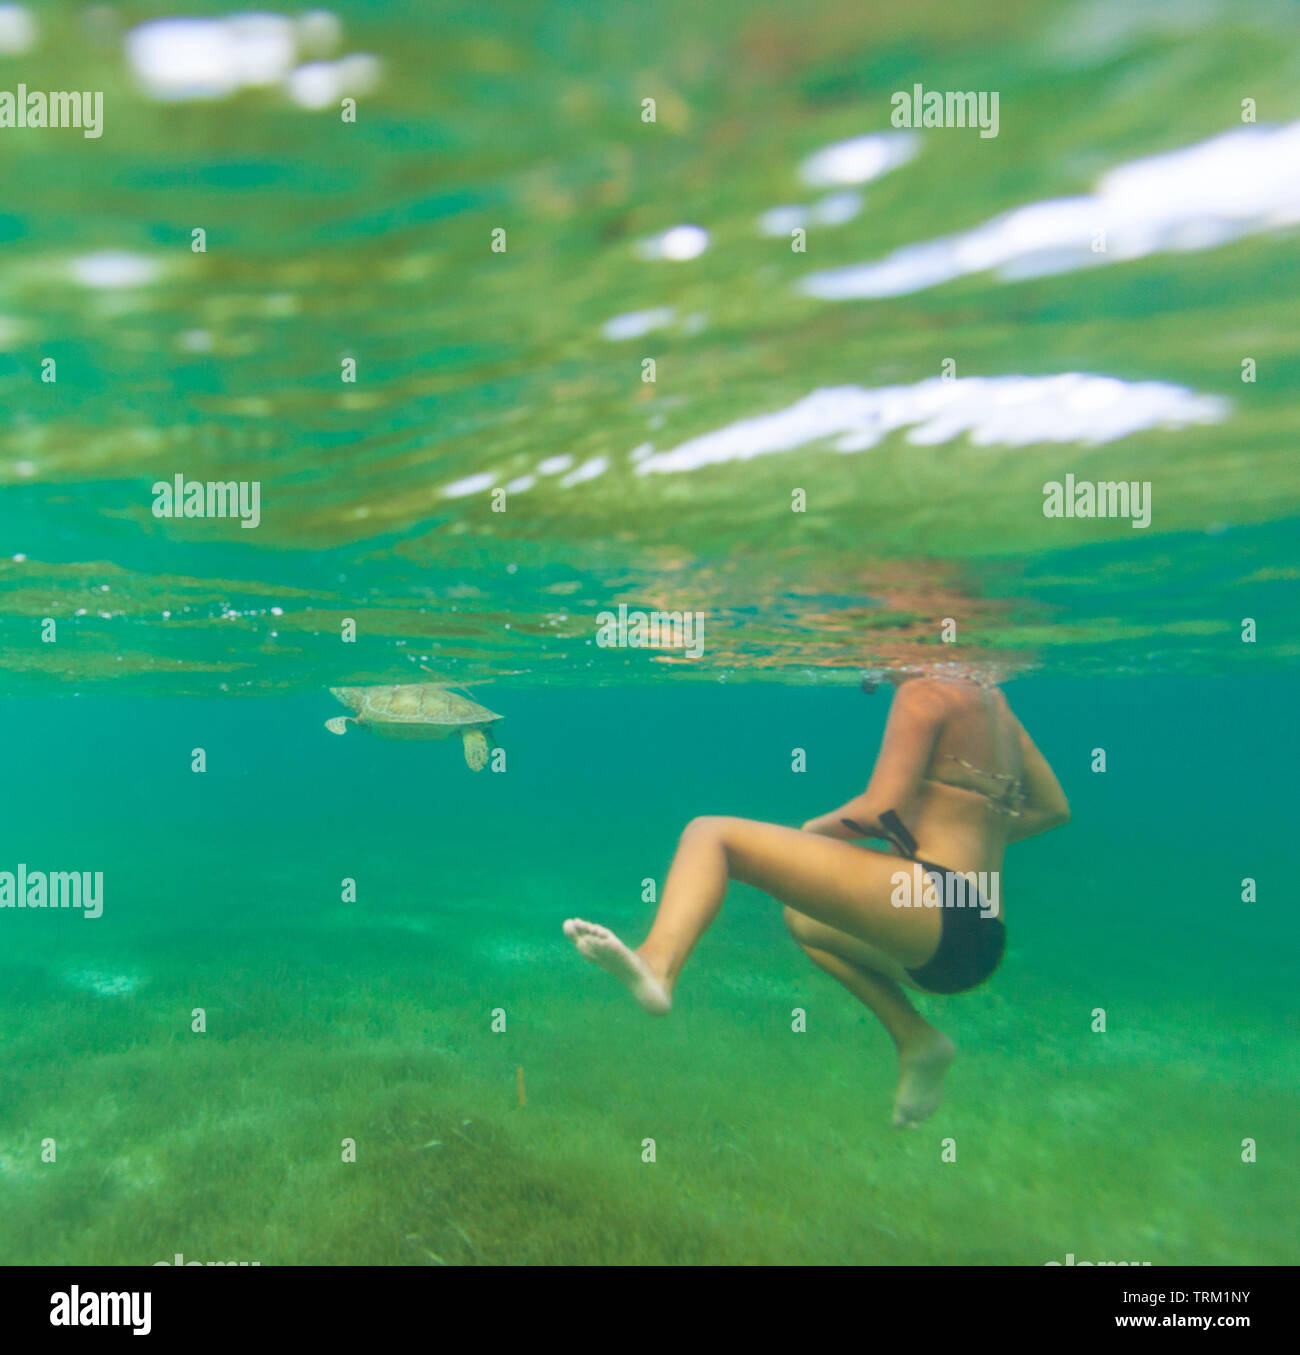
(972, 790)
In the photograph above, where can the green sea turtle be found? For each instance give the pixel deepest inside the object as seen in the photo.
(418, 710)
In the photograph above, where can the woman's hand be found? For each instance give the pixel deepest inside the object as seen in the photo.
(826, 825)
(842, 824)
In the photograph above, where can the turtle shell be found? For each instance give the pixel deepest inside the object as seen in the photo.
(414, 709)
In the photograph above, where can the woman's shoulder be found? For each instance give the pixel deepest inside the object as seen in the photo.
(934, 692)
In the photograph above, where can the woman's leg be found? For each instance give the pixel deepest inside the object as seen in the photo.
(924, 1052)
(873, 979)
(841, 896)
(825, 879)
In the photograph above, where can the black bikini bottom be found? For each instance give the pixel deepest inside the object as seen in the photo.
(971, 940)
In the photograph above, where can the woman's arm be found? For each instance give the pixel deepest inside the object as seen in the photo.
(1045, 804)
(915, 719)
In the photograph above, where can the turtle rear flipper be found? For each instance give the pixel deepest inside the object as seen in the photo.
(339, 724)
(476, 749)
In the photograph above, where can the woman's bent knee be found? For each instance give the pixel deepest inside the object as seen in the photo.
(707, 825)
(798, 924)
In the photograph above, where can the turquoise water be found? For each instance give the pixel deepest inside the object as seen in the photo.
(373, 1020)
(800, 472)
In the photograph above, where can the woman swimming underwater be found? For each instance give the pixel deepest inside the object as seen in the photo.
(957, 779)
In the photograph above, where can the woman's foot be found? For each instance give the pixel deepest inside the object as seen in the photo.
(921, 1065)
(600, 945)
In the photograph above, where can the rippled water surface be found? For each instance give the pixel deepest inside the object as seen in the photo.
(627, 240)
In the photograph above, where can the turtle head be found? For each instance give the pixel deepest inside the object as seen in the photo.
(873, 679)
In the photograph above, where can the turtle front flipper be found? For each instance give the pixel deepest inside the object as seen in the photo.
(339, 724)
(476, 749)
